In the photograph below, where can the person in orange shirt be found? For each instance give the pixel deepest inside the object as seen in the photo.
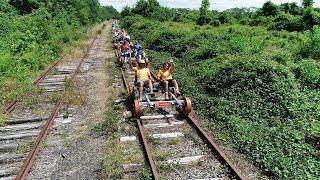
(143, 77)
(165, 76)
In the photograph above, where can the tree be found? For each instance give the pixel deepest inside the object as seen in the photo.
(204, 18)
(145, 8)
(269, 9)
(127, 11)
(141, 8)
(153, 3)
(224, 18)
(287, 22)
(307, 3)
(291, 8)
(310, 18)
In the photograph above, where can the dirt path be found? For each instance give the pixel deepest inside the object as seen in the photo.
(71, 150)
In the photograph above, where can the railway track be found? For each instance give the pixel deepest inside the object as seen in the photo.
(24, 131)
(175, 146)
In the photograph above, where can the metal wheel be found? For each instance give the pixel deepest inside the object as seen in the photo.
(187, 107)
(136, 109)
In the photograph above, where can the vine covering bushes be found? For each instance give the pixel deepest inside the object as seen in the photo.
(32, 34)
(258, 86)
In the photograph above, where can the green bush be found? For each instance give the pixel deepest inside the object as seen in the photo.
(308, 71)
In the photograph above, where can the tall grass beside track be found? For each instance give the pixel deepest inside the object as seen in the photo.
(34, 34)
(260, 88)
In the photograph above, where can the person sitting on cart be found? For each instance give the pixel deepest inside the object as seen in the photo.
(143, 78)
(125, 46)
(139, 53)
(165, 76)
(125, 49)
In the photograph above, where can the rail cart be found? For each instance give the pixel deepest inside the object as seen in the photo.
(148, 101)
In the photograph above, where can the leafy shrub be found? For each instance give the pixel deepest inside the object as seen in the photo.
(310, 44)
(308, 71)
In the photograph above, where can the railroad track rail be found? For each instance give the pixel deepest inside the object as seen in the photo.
(175, 145)
(21, 137)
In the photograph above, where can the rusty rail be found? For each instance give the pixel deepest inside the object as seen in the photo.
(10, 107)
(82, 60)
(36, 82)
(213, 145)
(148, 151)
(144, 139)
(125, 82)
(216, 149)
(28, 162)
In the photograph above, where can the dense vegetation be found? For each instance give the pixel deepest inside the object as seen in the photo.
(251, 74)
(287, 16)
(32, 34)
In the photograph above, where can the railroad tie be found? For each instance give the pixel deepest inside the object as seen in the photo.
(186, 160)
(7, 171)
(167, 135)
(128, 138)
(163, 125)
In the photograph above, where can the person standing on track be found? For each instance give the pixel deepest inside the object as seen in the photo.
(165, 76)
(143, 78)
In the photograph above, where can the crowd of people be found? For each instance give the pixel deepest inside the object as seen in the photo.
(136, 57)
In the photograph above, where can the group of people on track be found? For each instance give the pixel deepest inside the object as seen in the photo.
(143, 77)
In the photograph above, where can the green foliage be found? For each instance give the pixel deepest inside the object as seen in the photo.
(308, 71)
(291, 8)
(109, 125)
(33, 33)
(310, 18)
(249, 82)
(269, 9)
(310, 46)
(287, 22)
(307, 3)
(145, 8)
(127, 11)
(186, 16)
(223, 18)
(204, 18)
(25, 6)
(110, 12)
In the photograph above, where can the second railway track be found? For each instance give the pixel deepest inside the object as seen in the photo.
(21, 137)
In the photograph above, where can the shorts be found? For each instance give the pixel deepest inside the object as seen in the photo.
(170, 82)
(145, 82)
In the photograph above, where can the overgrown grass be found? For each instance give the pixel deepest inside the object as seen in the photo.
(3, 117)
(110, 123)
(113, 160)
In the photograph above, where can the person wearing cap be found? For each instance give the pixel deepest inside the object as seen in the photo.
(165, 76)
(143, 77)
(139, 53)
